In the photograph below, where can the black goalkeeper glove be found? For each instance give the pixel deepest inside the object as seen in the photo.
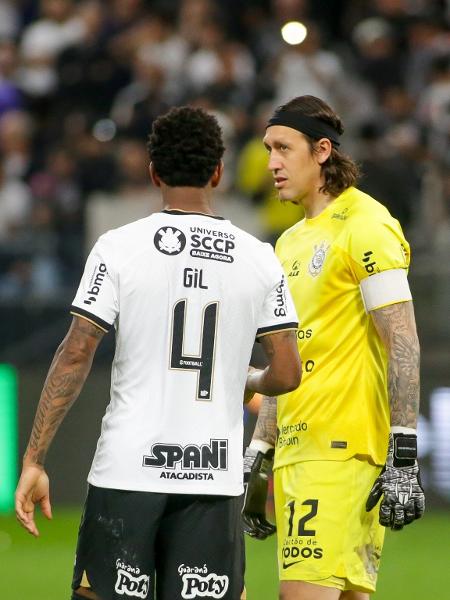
(399, 484)
(257, 466)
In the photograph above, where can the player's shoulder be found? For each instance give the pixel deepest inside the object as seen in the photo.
(364, 208)
(246, 237)
(252, 248)
(368, 222)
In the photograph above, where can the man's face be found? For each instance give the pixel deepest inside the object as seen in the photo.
(295, 169)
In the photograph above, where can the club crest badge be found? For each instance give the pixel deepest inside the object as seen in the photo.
(170, 240)
(318, 258)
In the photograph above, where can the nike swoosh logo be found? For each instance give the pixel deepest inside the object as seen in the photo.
(287, 565)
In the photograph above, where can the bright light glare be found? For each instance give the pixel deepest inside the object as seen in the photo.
(294, 33)
(104, 130)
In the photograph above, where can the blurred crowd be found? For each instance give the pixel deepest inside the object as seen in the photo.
(81, 82)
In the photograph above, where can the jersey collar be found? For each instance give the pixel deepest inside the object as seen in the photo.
(185, 212)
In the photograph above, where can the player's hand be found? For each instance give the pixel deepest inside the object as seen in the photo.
(256, 481)
(32, 489)
(399, 484)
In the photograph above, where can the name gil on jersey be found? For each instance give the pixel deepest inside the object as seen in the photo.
(205, 457)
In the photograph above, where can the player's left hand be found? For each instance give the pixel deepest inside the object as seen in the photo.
(32, 489)
(399, 484)
(256, 481)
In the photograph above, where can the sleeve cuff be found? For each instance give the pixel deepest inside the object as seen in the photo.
(275, 328)
(81, 312)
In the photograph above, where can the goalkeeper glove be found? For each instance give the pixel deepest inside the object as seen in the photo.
(257, 465)
(399, 482)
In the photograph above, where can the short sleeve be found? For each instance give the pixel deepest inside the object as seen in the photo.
(278, 310)
(97, 296)
(375, 247)
(380, 258)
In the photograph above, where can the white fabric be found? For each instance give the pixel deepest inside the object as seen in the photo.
(404, 430)
(137, 278)
(260, 446)
(387, 287)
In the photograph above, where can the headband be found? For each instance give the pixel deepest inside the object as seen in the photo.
(315, 128)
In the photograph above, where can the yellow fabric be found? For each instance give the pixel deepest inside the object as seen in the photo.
(325, 535)
(341, 407)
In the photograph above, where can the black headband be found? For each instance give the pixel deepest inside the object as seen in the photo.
(315, 128)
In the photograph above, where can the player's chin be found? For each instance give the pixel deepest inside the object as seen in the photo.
(284, 197)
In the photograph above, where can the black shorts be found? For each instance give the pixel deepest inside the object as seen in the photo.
(164, 546)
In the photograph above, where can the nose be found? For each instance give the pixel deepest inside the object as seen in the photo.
(274, 163)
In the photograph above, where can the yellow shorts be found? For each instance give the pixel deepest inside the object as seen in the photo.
(325, 535)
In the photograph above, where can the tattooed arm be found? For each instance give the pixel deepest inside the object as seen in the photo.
(266, 425)
(67, 374)
(398, 485)
(396, 327)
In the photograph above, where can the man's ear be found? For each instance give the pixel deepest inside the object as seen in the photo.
(154, 176)
(217, 175)
(322, 150)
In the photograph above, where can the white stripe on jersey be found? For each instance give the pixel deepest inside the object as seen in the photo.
(187, 294)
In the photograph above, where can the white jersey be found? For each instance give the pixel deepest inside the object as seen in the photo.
(187, 294)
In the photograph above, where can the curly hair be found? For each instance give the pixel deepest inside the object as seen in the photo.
(339, 170)
(185, 146)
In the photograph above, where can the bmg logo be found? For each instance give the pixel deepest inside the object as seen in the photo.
(98, 277)
(369, 266)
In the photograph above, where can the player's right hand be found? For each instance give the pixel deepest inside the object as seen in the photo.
(257, 466)
(33, 488)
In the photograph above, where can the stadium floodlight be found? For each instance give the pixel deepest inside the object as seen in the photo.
(8, 436)
(294, 33)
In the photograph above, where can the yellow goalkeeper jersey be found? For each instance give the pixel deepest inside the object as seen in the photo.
(341, 407)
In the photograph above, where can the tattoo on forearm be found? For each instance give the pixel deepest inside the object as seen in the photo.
(266, 425)
(396, 327)
(68, 372)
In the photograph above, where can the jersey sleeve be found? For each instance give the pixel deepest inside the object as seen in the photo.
(380, 256)
(278, 310)
(97, 299)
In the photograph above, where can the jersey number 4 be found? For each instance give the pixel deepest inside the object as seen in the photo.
(202, 364)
